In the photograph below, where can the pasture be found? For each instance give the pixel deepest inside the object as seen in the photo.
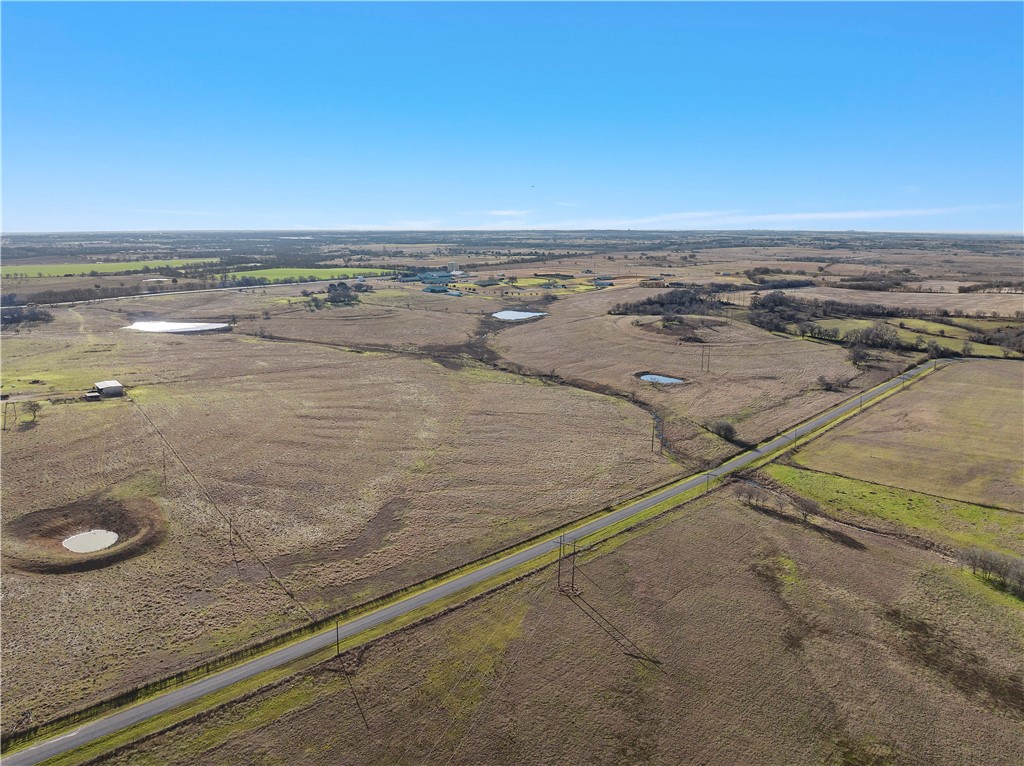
(956, 434)
(954, 524)
(343, 475)
(33, 270)
(970, 304)
(742, 638)
(334, 272)
(760, 382)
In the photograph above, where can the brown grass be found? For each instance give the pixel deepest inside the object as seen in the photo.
(760, 382)
(765, 643)
(347, 474)
(1004, 304)
(956, 434)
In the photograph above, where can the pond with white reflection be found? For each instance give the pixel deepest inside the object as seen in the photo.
(516, 316)
(177, 326)
(93, 540)
(651, 378)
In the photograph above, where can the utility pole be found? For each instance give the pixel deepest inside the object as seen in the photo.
(572, 578)
(561, 545)
(337, 638)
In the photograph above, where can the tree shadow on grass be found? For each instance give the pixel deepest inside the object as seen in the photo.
(831, 534)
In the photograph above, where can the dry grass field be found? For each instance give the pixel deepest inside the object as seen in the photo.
(344, 474)
(957, 434)
(310, 460)
(762, 383)
(1003, 304)
(767, 642)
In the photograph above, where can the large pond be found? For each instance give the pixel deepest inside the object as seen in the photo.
(516, 316)
(177, 326)
(652, 378)
(93, 540)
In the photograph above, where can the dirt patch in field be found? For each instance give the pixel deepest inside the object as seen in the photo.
(33, 542)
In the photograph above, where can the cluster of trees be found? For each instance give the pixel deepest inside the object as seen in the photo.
(14, 315)
(877, 281)
(759, 276)
(984, 287)
(336, 294)
(1004, 571)
(1011, 338)
(694, 300)
(759, 497)
(776, 311)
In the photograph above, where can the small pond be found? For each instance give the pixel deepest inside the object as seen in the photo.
(177, 326)
(93, 540)
(516, 316)
(652, 378)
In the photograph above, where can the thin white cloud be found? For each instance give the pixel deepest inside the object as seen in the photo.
(166, 212)
(727, 218)
(511, 213)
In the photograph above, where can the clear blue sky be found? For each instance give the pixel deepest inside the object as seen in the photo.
(870, 116)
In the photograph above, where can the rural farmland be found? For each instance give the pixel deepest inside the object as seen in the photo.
(337, 442)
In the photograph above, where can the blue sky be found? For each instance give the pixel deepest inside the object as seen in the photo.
(876, 116)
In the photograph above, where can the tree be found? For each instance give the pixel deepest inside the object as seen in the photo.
(857, 354)
(34, 408)
(968, 348)
(722, 428)
(806, 507)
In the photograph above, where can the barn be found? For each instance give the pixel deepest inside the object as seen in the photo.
(109, 388)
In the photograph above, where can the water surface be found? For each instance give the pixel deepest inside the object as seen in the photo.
(93, 540)
(515, 316)
(652, 378)
(177, 326)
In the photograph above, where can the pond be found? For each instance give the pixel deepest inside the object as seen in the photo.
(516, 316)
(652, 378)
(177, 326)
(93, 540)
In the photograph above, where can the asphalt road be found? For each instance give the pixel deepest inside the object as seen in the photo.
(124, 718)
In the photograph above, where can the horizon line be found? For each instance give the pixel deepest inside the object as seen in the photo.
(398, 230)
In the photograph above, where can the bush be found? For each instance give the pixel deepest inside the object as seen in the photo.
(722, 428)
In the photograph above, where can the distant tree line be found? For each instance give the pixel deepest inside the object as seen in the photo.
(983, 287)
(14, 315)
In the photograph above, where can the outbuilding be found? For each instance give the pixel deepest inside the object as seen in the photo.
(109, 388)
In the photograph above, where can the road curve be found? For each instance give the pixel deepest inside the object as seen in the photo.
(122, 719)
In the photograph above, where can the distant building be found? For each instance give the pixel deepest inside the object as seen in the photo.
(109, 388)
(435, 277)
(435, 289)
(603, 283)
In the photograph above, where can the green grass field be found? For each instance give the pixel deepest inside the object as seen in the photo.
(950, 522)
(954, 338)
(84, 269)
(336, 272)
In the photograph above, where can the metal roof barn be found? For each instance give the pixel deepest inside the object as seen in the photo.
(109, 388)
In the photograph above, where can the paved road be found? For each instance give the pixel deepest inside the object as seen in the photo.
(124, 718)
